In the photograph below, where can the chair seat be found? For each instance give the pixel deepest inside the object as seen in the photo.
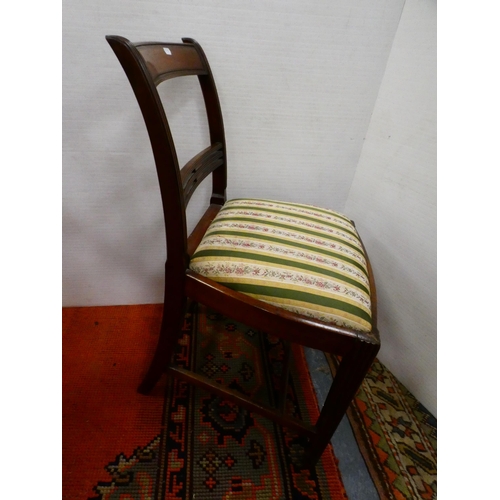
(298, 257)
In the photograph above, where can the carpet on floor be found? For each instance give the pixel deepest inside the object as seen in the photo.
(180, 441)
(396, 435)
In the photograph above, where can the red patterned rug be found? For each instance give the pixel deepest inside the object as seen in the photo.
(181, 442)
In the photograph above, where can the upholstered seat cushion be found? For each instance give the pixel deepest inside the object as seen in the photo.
(298, 257)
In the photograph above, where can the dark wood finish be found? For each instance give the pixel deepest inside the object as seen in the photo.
(146, 66)
(199, 231)
(287, 357)
(243, 401)
(199, 167)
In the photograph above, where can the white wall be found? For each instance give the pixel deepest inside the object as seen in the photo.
(297, 81)
(393, 201)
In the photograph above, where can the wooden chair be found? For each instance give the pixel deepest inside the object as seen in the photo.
(298, 272)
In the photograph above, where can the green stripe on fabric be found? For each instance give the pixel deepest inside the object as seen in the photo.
(294, 229)
(325, 211)
(292, 213)
(311, 248)
(310, 298)
(295, 215)
(280, 261)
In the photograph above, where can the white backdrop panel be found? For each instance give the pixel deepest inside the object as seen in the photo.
(297, 81)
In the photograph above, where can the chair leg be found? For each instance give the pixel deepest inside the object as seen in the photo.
(350, 375)
(284, 376)
(174, 308)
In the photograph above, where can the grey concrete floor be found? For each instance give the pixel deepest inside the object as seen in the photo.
(357, 480)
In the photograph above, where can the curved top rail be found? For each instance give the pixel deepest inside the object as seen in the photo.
(170, 60)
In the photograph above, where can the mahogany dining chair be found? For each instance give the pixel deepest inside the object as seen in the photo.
(292, 270)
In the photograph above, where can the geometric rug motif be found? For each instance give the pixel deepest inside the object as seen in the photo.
(396, 435)
(210, 448)
(133, 477)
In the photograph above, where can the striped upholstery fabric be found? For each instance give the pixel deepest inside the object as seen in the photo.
(298, 257)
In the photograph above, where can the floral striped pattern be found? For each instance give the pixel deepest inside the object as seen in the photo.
(298, 257)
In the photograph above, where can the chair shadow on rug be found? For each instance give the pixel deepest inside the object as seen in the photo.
(295, 271)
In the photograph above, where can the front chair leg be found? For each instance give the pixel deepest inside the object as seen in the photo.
(174, 309)
(285, 375)
(350, 375)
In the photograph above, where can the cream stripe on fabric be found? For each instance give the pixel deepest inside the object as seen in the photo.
(261, 276)
(286, 258)
(308, 224)
(289, 238)
(298, 257)
(328, 315)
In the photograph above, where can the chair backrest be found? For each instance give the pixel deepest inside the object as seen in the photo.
(147, 65)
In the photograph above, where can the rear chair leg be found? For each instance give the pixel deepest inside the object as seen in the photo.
(174, 308)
